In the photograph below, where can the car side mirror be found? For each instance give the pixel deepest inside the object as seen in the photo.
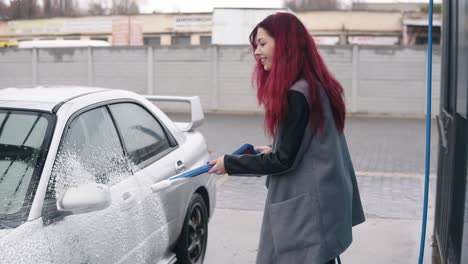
(85, 198)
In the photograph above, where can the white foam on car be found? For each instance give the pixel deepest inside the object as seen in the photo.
(25, 244)
(91, 230)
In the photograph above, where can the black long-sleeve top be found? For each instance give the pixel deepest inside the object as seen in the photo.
(289, 139)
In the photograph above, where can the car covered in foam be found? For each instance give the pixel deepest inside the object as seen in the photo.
(76, 169)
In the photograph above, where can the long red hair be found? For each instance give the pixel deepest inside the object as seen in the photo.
(295, 57)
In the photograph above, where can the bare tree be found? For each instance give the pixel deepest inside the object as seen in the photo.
(47, 8)
(96, 8)
(23, 9)
(54, 8)
(124, 7)
(133, 9)
(311, 5)
(3, 10)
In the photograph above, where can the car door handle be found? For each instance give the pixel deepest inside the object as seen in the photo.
(179, 166)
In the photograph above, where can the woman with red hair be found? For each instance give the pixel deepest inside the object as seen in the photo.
(313, 199)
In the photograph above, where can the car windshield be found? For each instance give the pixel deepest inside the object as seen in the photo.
(24, 137)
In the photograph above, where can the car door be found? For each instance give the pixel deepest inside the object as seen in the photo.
(151, 150)
(163, 158)
(91, 152)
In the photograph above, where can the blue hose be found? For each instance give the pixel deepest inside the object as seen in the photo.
(428, 132)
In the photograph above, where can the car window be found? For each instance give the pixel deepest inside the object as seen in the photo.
(90, 152)
(23, 139)
(23, 129)
(142, 134)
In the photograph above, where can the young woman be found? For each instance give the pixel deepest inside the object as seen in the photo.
(313, 199)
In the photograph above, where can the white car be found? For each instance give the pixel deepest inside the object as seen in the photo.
(76, 169)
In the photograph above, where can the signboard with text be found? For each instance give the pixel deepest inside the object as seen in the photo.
(61, 26)
(192, 23)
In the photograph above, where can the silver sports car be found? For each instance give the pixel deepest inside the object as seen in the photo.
(76, 169)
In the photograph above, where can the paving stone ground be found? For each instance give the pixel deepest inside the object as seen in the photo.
(396, 197)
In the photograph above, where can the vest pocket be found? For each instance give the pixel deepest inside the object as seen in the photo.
(294, 223)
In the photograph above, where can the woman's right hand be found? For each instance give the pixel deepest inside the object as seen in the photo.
(263, 149)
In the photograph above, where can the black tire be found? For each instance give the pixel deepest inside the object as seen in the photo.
(191, 246)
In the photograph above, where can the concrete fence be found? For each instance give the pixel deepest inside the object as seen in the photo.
(377, 80)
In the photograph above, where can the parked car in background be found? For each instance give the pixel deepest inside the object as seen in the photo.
(29, 44)
(8, 44)
(76, 167)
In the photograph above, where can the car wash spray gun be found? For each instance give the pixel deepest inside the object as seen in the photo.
(245, 149)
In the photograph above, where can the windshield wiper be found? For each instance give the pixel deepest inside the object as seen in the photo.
(8, 221)
(4, 225)
(14, 153)
(17, 152)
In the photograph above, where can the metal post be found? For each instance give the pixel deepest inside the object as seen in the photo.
(214, 78)
(90, 67)
(34, 66)
(355, 79)
(150, 71)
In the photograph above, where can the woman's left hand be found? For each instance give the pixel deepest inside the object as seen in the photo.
(218, 166)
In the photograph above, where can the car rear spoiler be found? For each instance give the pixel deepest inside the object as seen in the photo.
(196, 109)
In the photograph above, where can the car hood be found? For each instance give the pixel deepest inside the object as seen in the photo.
(24, 244)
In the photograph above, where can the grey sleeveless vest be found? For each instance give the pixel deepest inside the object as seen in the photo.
(312, 207)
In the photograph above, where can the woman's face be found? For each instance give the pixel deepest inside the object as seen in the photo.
(265, 48)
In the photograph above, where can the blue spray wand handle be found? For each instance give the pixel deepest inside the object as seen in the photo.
(244, 149)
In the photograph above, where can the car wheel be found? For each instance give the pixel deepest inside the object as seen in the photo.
(192, 242)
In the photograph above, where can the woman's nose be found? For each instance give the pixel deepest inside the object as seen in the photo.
(257, 51)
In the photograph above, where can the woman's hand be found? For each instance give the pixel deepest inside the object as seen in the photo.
(263, 149)
(218, 166)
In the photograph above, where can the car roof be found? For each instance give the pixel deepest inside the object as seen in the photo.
(42, 97)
